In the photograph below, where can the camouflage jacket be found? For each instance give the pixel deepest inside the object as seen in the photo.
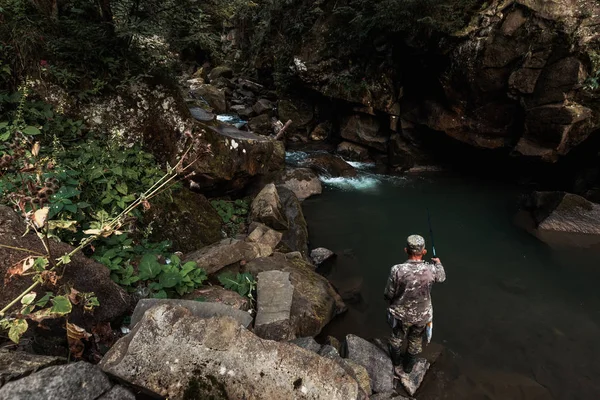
(408, 290)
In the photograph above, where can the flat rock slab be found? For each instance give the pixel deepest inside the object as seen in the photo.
(376, 362)
(76, 381)
(180, 356)
(218, 255)
(201, 114)
(412, 381)
(18, 364)
(199, 309)
(308, 343)
(274, 300)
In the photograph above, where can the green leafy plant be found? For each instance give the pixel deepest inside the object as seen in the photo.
(171, 277)
(233, 213)
(242, 283)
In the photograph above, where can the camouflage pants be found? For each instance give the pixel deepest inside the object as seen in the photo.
(402, 331)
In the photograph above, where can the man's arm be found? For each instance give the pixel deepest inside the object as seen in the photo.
(390, 289)
(439, 271)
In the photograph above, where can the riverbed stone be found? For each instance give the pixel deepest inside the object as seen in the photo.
(565, 212)
(315, 302)
(181, 356)
(220, 71)
(264, 238)
(320, 255)
(274, 303)
(215, 257)
(75, 381)
(321, 131)
(214, 96)
(262, 106)
(330, 165)
(388, 396)
(117, 393)
(295, 237)
(267, 208)
(200, 309)
(412, 382)
(261, 125)
(353, 151)
(308, 343)
(302, 181)
(357, 371)
(299, 111)
(218, 294)
(363, 129)
(18, 364)
(376, 362)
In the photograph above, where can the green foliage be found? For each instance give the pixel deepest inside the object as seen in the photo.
(242, 283)
(593, 81)
(233, 213)
(137, 267)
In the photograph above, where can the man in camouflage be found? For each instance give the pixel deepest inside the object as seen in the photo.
(408, 292)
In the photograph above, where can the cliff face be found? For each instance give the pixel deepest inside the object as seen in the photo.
(515, 77)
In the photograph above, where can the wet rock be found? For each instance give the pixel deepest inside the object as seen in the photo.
(214, 97)
(262, 106)
(376, 362)
(364, 129)
(18, 364)
(331, 165)
(242, 111)
(565, 212)
(261, 125)
(412, 382)
(217, 294)
(117, 393)
(218, 255)
(320, 255)
(348, 286)
(200, 309)
(201, 114)
(181, 356)
(75, 381)
(388, 396)
(298, 111)
(401, 153)
(314, 303)
(274, 302)
(353, 151)
(321, 132)
(329, 351)
(308, 343)
(81, 273)
(295, 238)
(358, 372)
(220, 71)
(267, 208)
(187, 219)
(302, 181)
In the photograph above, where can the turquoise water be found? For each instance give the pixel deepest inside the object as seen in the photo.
(510, 303)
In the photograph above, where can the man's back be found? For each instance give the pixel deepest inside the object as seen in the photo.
(409, 290)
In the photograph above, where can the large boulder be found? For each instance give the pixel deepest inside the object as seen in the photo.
(18, 364)
(261, 125)
(298, 111)
(215, 257)
(214, 96)
(302, 181)
(376, 361)
(353, 151)
(220, 71)
(75, 381)
(82, 273)
(314, 303)
(364, 129)
(329, 164)
(267, 208)
(181, 356)
(186, 219)
(217, 294)
(295, 237)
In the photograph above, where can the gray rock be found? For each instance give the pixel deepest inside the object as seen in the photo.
(242, 111)
(387, 396)
(274, 302)
(17, 364)
(76, 381)
(320, 255)
(358, 372)
(214, 97)
(302, 181)
(178, 356)
(261, 125)
(566, 212)
(267, 208)
(314, 303)
(200, 309)
(330, 165)
(217, 294)
(262, 106)
(218, 255)
(295, 238)
(376, 362)
(364, 129)
(264, 237)
(308, 343)
(201, 114)
(412, 381)
(353, 151)
(117, 393)
(328, 351)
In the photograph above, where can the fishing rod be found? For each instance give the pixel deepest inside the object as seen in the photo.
(431, 233)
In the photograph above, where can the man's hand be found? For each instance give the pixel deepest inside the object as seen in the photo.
(436, 260)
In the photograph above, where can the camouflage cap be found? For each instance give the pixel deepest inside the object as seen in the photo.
(415, 243)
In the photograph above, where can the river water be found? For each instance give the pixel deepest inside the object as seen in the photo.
(511, 305)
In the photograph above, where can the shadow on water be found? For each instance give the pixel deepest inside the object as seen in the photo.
(510, 304)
